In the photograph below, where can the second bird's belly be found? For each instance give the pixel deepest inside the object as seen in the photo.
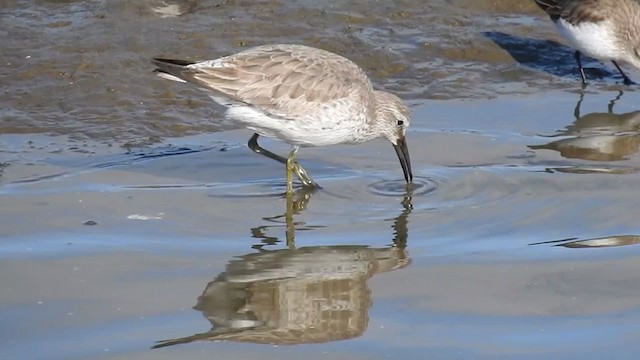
(595, 40)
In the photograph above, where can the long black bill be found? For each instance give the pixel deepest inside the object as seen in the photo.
(405, 161)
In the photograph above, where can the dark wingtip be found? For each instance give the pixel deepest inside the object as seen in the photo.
(178, 62)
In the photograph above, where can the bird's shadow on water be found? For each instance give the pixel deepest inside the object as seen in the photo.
(546, 55)
(297, 295)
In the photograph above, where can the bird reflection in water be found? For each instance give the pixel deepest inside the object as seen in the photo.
(598, 136)
(602, 242)
(310, 294)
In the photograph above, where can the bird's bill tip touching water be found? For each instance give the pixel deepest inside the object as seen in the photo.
(403, 155)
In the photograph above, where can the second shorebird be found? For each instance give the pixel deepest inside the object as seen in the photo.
(300, 95)
(601, 29)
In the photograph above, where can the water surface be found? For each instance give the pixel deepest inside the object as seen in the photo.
(128, 221)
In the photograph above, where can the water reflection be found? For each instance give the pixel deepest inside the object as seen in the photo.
(165, 9)
(296, 203)
(609, 241)
(2, 166)
(310, 294)
(598, 136)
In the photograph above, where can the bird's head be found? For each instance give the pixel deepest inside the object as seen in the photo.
(393, 120)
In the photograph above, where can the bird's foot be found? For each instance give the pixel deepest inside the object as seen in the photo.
(304, 177)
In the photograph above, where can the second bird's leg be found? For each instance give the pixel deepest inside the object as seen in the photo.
(580, 68)
(300, 172)
(625, 78)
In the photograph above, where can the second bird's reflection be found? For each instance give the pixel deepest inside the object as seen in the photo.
(598, 136)
(310, 294)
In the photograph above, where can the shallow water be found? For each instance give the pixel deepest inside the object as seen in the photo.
(122, 229)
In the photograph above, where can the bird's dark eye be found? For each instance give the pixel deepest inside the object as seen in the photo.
(400, 122)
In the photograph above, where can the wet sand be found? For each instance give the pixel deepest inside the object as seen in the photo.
(127, 221)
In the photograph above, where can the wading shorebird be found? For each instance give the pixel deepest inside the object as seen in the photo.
(300, 95)
(601, 29)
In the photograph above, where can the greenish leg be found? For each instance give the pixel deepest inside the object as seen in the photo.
(294, 167)
(304, 177)
(291, 168)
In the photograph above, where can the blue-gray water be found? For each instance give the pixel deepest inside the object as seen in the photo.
(519, 240)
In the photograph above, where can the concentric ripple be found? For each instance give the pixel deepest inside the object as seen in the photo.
(420, 186)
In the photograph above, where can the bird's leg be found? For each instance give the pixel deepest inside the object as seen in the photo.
(304, 177)
(300, 172)
(291, 162)
(625, 78)
(580, 68)
(253, 145)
